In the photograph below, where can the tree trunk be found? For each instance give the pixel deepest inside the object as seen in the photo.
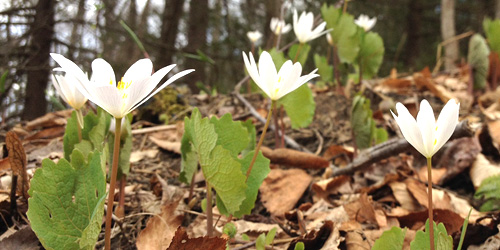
(75, 37)
(172, 14)
(413, 23)
(273, 8)
(497, 9)
(197, 28)
(38, 69)
(447, 32)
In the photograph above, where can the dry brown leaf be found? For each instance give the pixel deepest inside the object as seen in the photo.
(181, 241)
(137, 156)
(404, 197)
(424, 82)
(53, 119)
(48, 133)
(416, 220)
(315, 239)
(249, 227)
(342, 154)
(4, 163)
(161, 228)
(22, 239)
(167, 145)
(458, 155)
(481, 169)
(17, 159)
(361, 210)
(440, 199)
(291, 157)
(335, 185)
(281, 190)
(494, 131)
(437, 174)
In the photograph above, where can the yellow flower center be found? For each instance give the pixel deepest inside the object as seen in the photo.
(122, 86)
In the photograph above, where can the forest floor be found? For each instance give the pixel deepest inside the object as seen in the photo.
(323, 197)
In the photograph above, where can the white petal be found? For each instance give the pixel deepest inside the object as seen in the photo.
(102, 73)
(291, 75)
(409, 128)
(267, 72)
(169, 81)
(70, 67)
(446, 123)
(427, 125)
(139, 70)
(56, 84)
(108, 98)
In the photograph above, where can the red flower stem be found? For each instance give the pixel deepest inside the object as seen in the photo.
(112, 183)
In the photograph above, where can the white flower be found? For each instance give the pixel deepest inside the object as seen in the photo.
(119, 99)
(365, 22)
(279, 26)
(303, 27)
(254, 36)
(276, 84)
(425, 134)
(329, 39)
(66, 88)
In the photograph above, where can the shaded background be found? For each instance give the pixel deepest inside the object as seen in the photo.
(173, 31)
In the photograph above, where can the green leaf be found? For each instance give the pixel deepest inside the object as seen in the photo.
(125, 148)
(348, 48)
(260, 242)
(492, 30)
(490, 191)
(442, 240)
(134, 36)
(392, 239)
(303, 51)
(94, 130)
(230, 229)
(245, 237)
(278, 57)
(299, 106)
(231, 135)
(361, 121)
(252, 137)
(189, 163)
(380, 134)
(270, 236)
(224, 174)
(260, 170)
(325, 70)
(67, 202)
(478, 60)
(344, 32)
(371, 54)
(299, 246)
(464, 230)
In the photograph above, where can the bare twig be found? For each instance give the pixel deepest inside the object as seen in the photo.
(390, 148)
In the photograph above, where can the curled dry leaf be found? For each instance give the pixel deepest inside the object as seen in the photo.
(53, 119)
(160, 229)
(181, 241)
(481, 169)
(174, 146)
(281, 190)
(335, 185)
(291, 157)
(17, 159)
(22, 239)
(315, 239)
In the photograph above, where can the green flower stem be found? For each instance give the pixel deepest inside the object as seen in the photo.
(298, 52)
(79, 118)
(429, 195)
(210, 218)
(112, 183)
(261, 140)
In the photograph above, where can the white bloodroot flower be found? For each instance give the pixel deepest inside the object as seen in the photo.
(365, 22)
(303, 27)
(276, 84)
(254, 36)
(425, 134)
(279, 26)
(119, 99)
(65, 86)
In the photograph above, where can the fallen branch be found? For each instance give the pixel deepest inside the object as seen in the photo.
(291, 157)
(391, 148)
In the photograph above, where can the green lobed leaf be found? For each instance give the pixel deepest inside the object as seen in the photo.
(392, 239)
(371, 54)
(252, 135)
(442, 240)
(361, 121)
(344, 32)
(189, 162)
(299, 106)
(303, 51)
(67, 202)
(492, 30)
(325, 70)
(230, 229)
(478, 59)
(278, 57)
(348, 48)
(490, 191)
(231, 135)
(125, 148)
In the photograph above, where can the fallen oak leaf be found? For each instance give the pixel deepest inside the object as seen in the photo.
(181, 241)
(18, 162)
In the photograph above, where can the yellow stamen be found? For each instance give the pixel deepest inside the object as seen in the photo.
(435, 141)
(123, 85)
